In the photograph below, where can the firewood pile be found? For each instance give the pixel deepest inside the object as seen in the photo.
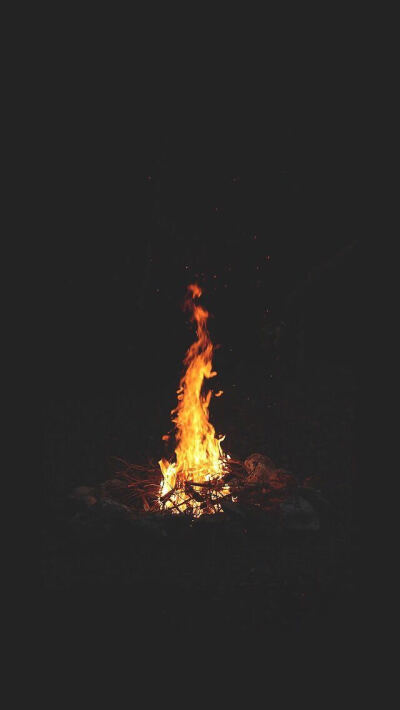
(138, 488)
(254, 484)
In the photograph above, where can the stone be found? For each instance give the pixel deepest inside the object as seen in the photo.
(260, 468)
(81, 492)
(88, 500)
(112, 509)
(299, 514)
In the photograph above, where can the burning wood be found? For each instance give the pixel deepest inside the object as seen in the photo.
(138, 487)
(200, 461)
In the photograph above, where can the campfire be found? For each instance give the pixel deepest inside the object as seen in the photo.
(196, 481)
(200, 479)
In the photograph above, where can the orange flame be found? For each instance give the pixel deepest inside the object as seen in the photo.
(199, 456)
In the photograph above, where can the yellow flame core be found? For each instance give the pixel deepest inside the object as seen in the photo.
(199, 456)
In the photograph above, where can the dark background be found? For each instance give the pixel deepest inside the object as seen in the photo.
(250, 197)
(248, 185)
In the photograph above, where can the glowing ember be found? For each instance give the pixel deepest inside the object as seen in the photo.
(194, 482)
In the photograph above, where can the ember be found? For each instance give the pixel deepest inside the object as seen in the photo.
(195, 482)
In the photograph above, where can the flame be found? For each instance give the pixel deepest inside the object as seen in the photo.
(199, 456)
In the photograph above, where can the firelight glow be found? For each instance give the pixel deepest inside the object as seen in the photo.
(199, 456)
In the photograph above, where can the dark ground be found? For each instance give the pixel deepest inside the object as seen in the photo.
(257, 212)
